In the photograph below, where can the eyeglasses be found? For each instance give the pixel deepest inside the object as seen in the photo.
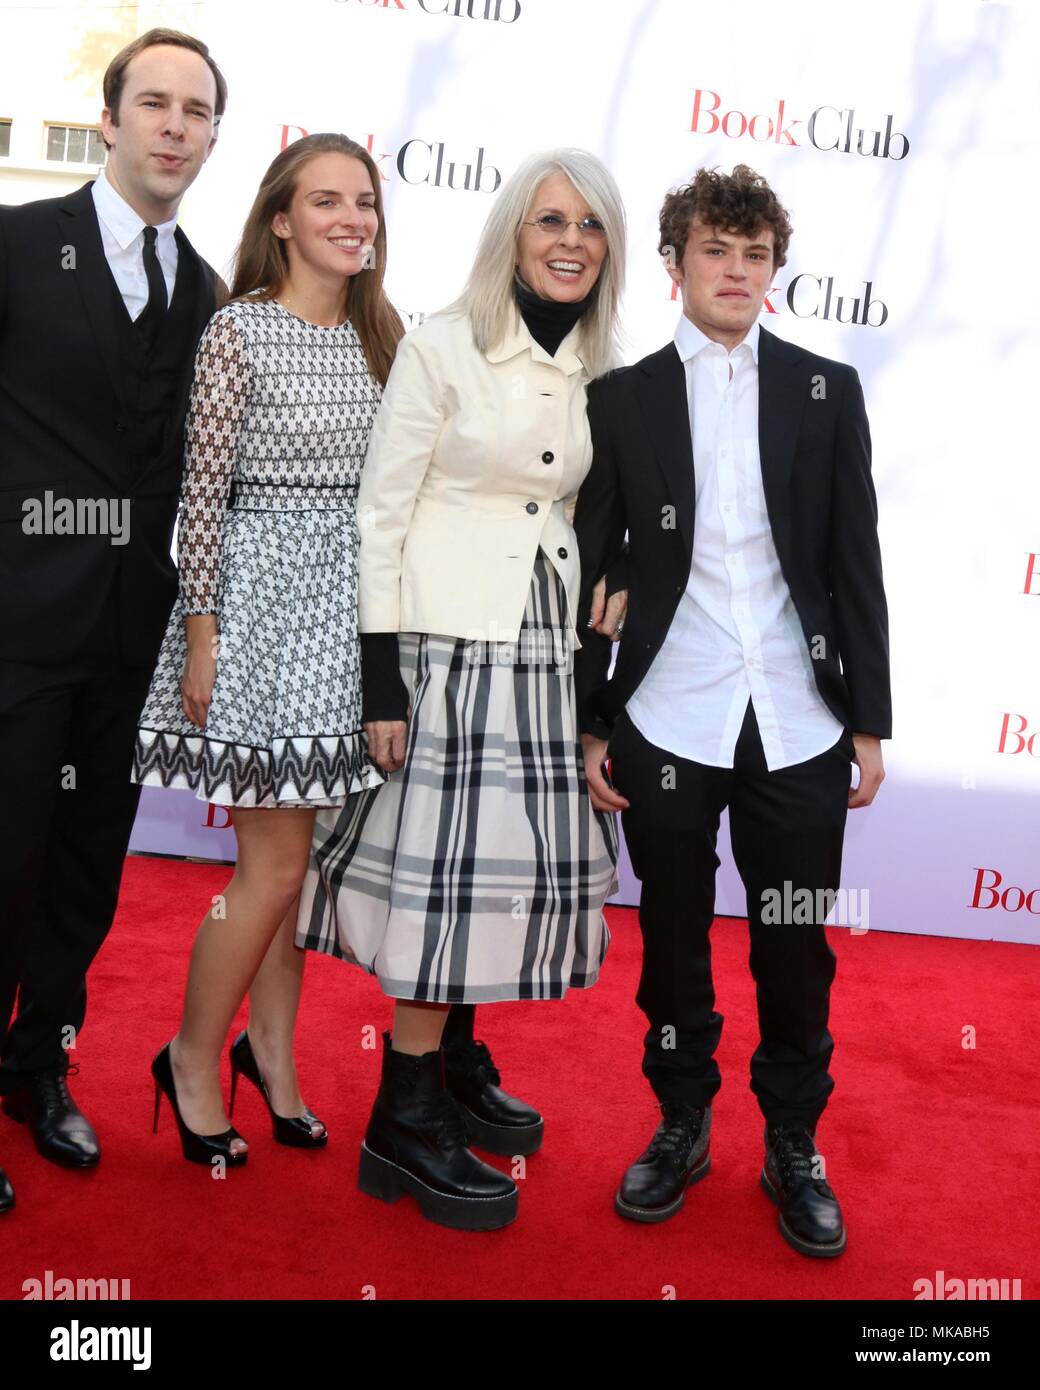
(554, 225)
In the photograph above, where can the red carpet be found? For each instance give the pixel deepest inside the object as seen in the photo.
(930, 1147)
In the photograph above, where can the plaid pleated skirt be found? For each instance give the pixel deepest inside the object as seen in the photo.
(479, 870)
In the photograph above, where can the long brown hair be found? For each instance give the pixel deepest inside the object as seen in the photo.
(262, 264)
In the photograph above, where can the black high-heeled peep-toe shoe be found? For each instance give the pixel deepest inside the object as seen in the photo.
(198, 1148)
(294, 1130)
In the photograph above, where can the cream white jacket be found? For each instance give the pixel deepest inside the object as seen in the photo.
(474, 461)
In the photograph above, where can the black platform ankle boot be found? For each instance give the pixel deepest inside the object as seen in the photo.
(416, 1143)
(495, 1120)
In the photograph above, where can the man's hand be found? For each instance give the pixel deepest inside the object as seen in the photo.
(386, 742)
(867, 757)
(607, 614)
(603, 797)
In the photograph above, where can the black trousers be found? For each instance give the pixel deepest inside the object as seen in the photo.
(66, 743)
(786, 827)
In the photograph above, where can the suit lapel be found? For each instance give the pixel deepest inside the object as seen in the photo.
(781, 401)
(666, 416)
(203, 308)
(78, 224)
(194, 284)
(204, 281)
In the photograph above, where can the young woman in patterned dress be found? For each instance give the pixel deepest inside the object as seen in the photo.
(256, 699)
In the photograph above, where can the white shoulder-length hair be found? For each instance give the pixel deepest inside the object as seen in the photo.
(488, 299)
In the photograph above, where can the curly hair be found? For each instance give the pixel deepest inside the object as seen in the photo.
(741, 202)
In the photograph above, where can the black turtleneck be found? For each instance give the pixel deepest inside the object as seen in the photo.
(548, 320)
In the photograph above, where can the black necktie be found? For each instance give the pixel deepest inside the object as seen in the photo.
(150, 320)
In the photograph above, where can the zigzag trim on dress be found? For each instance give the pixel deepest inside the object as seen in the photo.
(313, 770)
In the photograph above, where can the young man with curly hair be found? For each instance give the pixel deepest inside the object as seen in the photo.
(752, 672)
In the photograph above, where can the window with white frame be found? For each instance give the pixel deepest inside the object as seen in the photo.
(75, 144)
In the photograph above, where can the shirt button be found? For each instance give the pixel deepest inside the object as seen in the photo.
(562, 553)
(678, 588)
(120, 427)
(532, 507)
(548, 456)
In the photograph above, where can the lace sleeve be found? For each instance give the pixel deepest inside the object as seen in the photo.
(219, 394)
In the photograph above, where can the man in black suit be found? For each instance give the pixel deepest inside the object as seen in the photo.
(102, 303)
(752, 672)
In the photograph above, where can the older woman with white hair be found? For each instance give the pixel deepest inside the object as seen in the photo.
(479, 871)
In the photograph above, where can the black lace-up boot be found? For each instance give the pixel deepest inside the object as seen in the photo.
(416, 1143)
(654, 1187)
(810, 1217)
(495, 1120)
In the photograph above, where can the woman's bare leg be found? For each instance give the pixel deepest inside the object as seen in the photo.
(418, 1027)
(274, 998)
(273, 849)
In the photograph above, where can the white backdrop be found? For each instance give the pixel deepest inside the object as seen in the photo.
(934, 217)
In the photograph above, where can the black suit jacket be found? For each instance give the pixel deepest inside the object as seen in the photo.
(66, 426)
(814, 443)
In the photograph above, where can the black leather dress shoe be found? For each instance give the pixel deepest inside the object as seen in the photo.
(810, 1217)
(6, 1192)
(60, 1130)
(494, 1120)
(654, 1187)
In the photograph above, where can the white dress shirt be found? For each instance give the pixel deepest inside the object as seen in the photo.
(122, 236)
(735, 633)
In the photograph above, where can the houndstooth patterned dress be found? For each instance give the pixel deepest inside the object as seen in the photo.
(277, 430)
